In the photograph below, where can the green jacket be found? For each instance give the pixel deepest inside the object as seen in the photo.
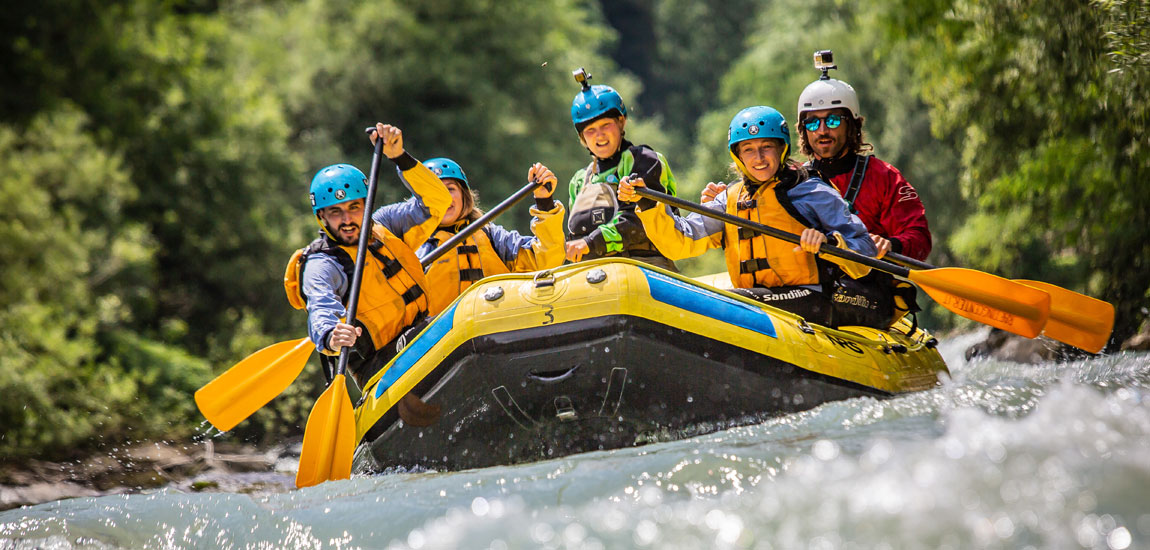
(610, 228)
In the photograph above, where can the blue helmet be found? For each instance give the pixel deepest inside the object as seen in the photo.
(447, 168)
(594, 102)
(336, 184)
(757, 122)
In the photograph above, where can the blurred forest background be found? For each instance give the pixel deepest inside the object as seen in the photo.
(155, 155)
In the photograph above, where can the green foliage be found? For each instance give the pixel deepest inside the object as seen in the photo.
(679, 49)
(485, 83)
(204, 144)
(71, 376)
(71, 257)
(1050, 99)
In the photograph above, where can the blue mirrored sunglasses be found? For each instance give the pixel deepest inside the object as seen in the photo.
(812, 123)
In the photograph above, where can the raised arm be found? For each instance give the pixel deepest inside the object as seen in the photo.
(415, 219)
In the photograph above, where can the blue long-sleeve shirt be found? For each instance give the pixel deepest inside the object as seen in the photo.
(818, 202)
(324, 282)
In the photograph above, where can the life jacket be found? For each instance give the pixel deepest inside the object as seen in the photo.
(597, 202)
(470, 261)
(755, 259)
(392, 292)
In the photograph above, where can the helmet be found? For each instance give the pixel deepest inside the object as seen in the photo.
(828, 93)
(336, 184)
(447, 168)
(595, 102)
(757, 122)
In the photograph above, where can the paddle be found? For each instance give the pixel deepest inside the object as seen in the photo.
(1075, 319)
(252, 383)
(979, 296)
(479, 223)
(329, 437)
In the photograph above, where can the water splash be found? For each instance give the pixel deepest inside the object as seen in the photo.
(1001, 455)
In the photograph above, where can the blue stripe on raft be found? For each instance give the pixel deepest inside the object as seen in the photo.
(414, 352)
(684, 295)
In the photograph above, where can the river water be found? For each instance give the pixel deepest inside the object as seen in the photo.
(1002, 455)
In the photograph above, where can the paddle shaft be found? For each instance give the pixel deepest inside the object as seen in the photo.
(908, 261)
(826, 248)
(361, 252)
(478, 224)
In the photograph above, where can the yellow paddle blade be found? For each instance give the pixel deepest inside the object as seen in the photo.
(329, 438)
(1076, 319)
(986, 298)
(250, 384)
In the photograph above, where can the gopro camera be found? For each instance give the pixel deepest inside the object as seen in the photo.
(582, 76)
(825, 61)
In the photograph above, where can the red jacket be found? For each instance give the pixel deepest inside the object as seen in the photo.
(887, 204)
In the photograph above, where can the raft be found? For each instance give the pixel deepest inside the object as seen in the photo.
(608, 354)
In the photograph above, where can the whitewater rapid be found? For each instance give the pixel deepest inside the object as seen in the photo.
(1002, 455)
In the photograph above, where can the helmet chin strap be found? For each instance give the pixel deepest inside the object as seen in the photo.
(323, 227)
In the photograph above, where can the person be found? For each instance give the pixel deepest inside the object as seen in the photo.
(393, 299)
(777, 192)
(492, 250)
(597, 224)
(831, 136)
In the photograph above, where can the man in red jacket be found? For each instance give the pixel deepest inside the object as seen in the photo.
(831, 134)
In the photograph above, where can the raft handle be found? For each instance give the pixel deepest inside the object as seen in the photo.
(544, 278)
(803, 326)
(552, 376)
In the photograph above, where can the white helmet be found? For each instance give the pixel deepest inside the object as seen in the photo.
(828, 93)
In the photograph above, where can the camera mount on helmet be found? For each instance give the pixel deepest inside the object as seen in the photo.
(827, 92)
(582, 77)
(825, 61)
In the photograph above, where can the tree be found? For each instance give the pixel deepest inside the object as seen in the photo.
(1049, 100)
(486, 85)
(74, 264)
(145, 176)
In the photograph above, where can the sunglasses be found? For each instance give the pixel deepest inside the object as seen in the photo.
(812, 123)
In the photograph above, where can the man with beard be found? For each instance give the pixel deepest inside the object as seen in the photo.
(392, 301)
(831, 136)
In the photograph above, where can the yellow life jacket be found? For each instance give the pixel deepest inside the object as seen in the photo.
(754, 259)
(392, 294)
(470, 261)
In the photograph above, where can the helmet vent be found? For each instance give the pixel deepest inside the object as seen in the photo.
(837, 102)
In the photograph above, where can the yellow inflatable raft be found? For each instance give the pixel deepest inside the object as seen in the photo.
(613, 353)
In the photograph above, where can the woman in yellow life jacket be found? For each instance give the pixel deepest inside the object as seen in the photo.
(393, 299)
(598, 224)
(777, 192)
(492, 250)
